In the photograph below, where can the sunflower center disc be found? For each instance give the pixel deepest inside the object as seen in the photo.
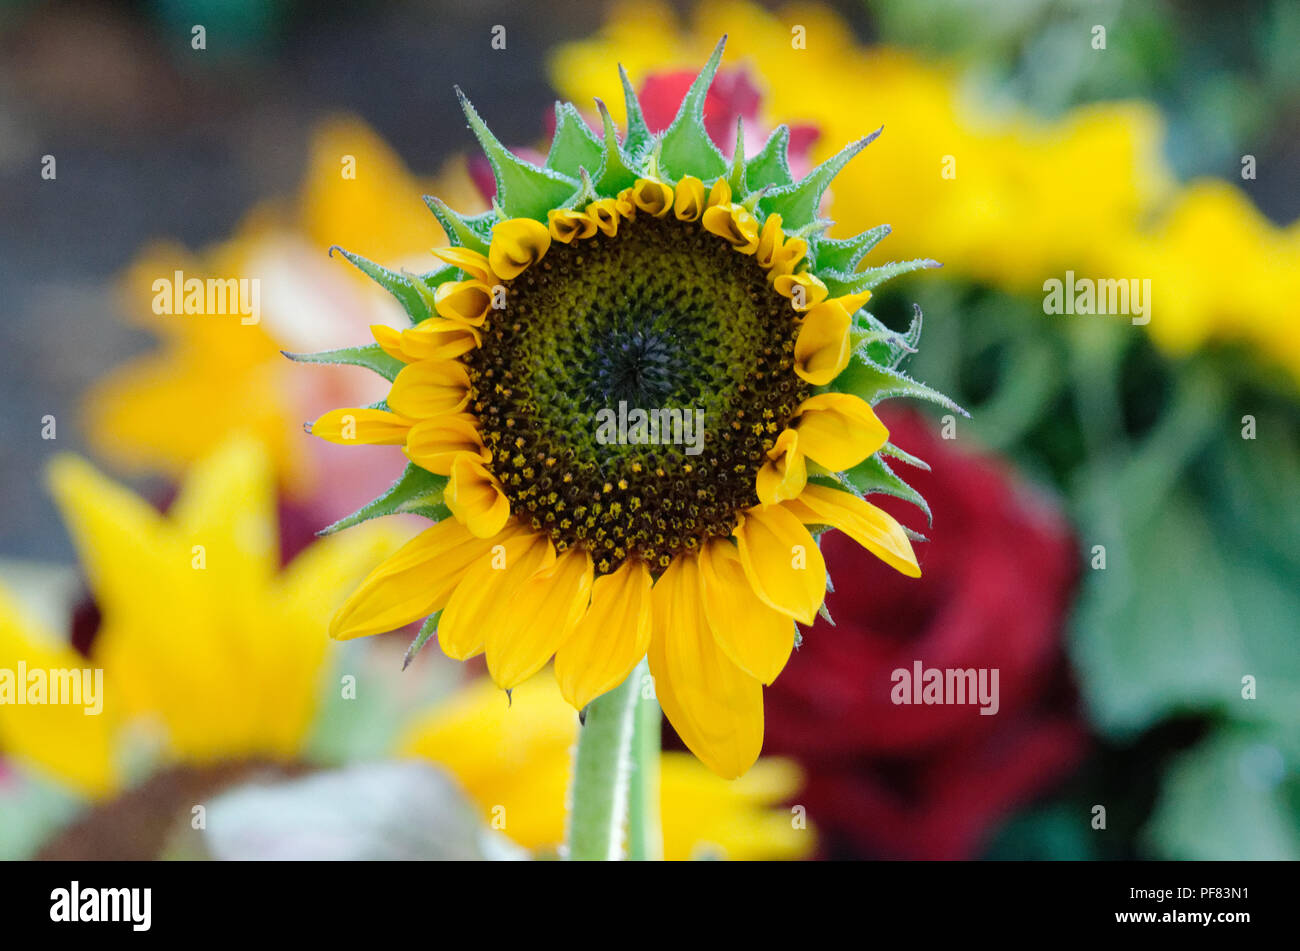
(662, 317)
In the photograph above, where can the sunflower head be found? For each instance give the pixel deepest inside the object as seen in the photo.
(630, 396)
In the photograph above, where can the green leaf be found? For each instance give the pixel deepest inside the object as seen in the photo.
(396, 284)
(371, 356)
(875, 476)
(874, 383)
(614, 172)
(461, 231)
(1232, 797)
(853, 282)
(523, 189)
(417, 492)
(770, 167)
(886, 347)
(638, 140)
(736, 178)
(574, 145)
(427, 630)
(835, 254)
(686, 148)
(797, 203)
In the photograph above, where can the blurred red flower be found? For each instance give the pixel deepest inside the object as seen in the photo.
(931, 781)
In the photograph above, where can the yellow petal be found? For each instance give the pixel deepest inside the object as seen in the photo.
(803, 289)
(784, 474)
(434, 339)
(871, 527)
(565, 225)
(734, 224)
(688, 200)
(715, 707)
(838, 430)
(466, 302)
(531, 624)
(429, 388)
(719, 194)
(770, 240)
(782, 561)
(611, 638)
(755, 638)
(433, 443)
(787, 257)
(474, 496)
(821, 351)
(487, 592)
(652, 197)
(415, 581)
(517, 244)
(361, 427)
(468, 260)
(606, 215)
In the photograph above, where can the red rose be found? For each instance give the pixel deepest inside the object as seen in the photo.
(927, 781)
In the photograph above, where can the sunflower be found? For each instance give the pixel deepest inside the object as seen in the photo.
(653, 279)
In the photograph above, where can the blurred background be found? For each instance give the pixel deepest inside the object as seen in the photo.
(1115, 527)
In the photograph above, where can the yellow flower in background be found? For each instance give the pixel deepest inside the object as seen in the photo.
(668, 281)
(994, 194)
(228, 370)
(206, 644)
(514, 761)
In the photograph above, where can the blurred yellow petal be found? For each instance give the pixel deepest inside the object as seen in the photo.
(610, 639)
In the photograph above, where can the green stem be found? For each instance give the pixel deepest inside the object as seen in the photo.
(644, 831)
(601, 774)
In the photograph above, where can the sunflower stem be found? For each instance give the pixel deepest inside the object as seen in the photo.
(602, 774)
(644, 830)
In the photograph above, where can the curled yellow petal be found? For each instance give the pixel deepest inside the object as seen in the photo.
(430, 388)
(475, 497)
(754, 637)
(871, 527)
(734, 224)
(782, 561)
(770, 240)
(528, 627)
(517, 244)
(566, 225)
(784, 474)
(466, 302)
(652, 197)
(433, 339)
(719, 194)
(488, 586)
(822, 349)
(715, 707)
(787, 257)
(606, 215)
(468, 260)
(611, 638)
(434, 442)
(803, 289)
(688, 199)
(838, 430)
(414, 581)
(361, 427)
